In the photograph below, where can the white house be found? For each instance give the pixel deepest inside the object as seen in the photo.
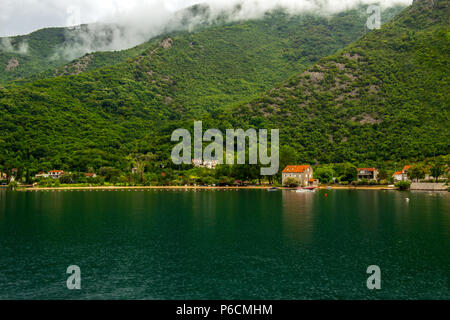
(42, 175)
(210, 164)
(55, 174)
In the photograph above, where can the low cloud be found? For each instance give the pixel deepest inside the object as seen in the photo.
(122, 24)
(7, 45)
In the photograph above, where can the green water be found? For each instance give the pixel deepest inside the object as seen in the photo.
(224, 244)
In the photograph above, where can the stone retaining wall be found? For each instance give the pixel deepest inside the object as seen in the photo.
(429, 186)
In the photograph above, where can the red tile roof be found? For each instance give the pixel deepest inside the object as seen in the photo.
(406, 168)
(56, 171)
(397, 173)
(296, 169)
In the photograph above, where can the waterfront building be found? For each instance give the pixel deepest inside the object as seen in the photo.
(367, 174)
(302, 173)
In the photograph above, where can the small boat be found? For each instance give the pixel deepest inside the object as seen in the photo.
(306, 189)
(272, 189)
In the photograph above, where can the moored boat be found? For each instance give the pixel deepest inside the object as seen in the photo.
(305, 189)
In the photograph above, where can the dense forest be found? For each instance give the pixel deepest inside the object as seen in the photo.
(369, 98)
(384, 97)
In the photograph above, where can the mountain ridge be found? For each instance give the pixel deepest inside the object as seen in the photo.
(354, 94)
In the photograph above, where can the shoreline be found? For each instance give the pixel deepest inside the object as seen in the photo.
(118, 188)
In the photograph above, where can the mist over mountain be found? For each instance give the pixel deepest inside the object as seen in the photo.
(140, 21)
(144, 21)
(47, 49)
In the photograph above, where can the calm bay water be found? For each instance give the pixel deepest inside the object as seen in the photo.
(248, 244)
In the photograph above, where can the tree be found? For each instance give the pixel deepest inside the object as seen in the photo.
(437, 169)
(416, 173)
(346, 171)
(383, 175)
(288, 156)
(66, 178)
(141, 161)
(110, 174)
(223, 170)
(324, 174)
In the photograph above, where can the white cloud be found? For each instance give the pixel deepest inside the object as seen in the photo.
(24, 16)
(131, 22)
(6, 45)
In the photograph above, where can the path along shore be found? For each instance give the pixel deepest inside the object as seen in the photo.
(118, 188)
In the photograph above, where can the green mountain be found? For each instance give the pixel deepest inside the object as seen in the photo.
(384, 97)
(48, 52)
(95, 113)
(22, 56)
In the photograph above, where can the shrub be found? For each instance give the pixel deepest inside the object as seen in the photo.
(13, 185)
(403, 185)
(66, 178)
(46, 182)
(291, 183)
(91, 180)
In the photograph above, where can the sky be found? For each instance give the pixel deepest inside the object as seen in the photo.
(24, 16)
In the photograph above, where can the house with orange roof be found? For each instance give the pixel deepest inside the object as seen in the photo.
(367, 174)
(402, 175)
(406, 168)
(302, 173)
(397, 176)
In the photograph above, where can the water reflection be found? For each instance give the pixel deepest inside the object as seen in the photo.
(204, 207)
(298, 209)
(247, 244)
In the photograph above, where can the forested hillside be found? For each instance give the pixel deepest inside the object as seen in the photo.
(385, 97)
(46, 52)
(91, 115)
